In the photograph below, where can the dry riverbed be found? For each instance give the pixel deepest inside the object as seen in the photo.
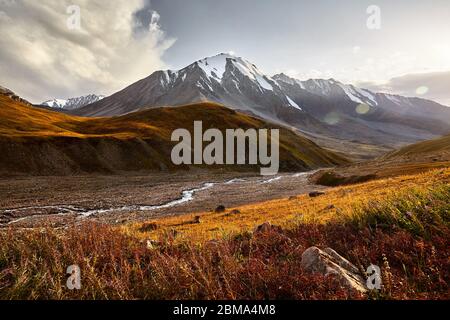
(58, 201)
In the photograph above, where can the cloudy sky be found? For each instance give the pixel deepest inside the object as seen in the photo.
(120, 42)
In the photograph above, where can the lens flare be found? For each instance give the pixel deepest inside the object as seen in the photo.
(362, 108)
(332, 118)
(422, 90)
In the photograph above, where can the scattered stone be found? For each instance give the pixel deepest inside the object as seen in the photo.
(197, 220)
(220, 209)
(267, 227)
(152, 244)
(147, 227)
(329, 263)
(315, 194)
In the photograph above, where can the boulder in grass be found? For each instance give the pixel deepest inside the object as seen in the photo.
(329, 263)
(267, 227)
(315, 194)
(197, 220)
(220, 209)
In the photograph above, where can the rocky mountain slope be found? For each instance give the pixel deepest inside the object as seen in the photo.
(380, 115)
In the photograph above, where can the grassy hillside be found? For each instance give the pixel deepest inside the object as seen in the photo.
(37, 141)
(436, 147)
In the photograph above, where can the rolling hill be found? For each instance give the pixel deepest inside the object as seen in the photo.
(41, 142)
(430, 148)
(413, 159)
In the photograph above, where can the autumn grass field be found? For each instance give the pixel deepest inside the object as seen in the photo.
(337, 205)
(400, 224)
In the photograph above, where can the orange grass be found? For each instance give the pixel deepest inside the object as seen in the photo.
(337, 204)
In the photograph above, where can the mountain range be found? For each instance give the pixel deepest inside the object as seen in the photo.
(325, 110)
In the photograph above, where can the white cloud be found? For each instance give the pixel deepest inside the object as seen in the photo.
(430, 85)
(42, 58)
(356, 49)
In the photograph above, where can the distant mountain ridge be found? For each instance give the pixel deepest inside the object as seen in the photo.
(72, 103)
(335, 91)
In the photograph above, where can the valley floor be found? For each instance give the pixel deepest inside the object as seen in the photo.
(57, 201)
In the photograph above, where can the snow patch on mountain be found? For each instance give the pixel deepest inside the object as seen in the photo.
(399, 100)
(350, 92)
(324, 85)
(251, 71)
(55, 103)
(284, 78)
(168, 78)
(214, 67)
(292, 103)
(368, 95)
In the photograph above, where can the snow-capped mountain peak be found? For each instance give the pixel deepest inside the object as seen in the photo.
(73, 103)
(215, 68)
(55, 103)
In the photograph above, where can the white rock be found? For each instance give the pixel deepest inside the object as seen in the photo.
(329, 263)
